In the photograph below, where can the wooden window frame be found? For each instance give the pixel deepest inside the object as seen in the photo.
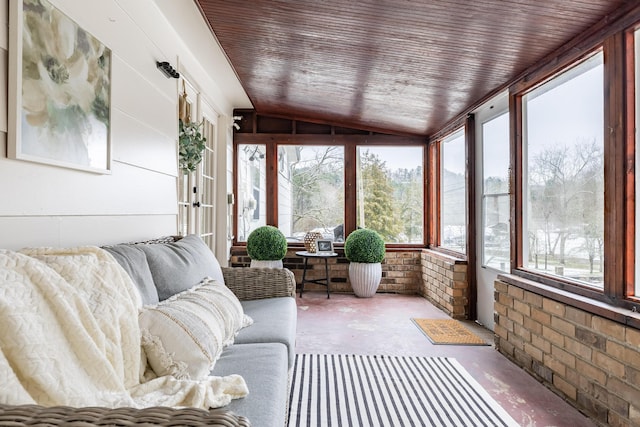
(349, 142)
(619, 170)
(435, 184)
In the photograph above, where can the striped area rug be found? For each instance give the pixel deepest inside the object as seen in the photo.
(351, 390)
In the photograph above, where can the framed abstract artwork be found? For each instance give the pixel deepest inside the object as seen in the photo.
(59, 90)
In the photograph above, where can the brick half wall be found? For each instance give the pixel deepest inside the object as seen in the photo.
(444, 283)
(589, 360)
(401, 270)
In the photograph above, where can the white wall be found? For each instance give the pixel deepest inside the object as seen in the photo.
(47, 205)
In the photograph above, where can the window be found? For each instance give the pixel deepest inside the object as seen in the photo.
(303, 177)
(495, 193)
(453, 193)
(576, 162)
(251, 189)
(390, 192)
(563, 175)
(311, 191)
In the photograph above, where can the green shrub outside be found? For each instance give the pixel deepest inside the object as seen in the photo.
(266, 243)
(365, 246)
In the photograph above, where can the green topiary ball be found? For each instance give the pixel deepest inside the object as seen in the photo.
(364, 245)
(266, 243)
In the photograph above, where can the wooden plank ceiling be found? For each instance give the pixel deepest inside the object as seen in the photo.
(396, 66)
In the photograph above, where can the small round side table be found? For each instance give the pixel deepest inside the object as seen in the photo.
(324, 281)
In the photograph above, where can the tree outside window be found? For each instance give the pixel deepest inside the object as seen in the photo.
(312, 195)
(564, 181)
(311, 191)
(453, 193)
(390, 195)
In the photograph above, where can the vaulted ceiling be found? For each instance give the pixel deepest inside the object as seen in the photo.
(396, 66)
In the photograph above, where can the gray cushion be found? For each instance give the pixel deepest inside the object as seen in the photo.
(274, 320)
(178, 266)
(134, 262)
(264, 368)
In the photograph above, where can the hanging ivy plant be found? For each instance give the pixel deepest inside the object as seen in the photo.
(191, 146)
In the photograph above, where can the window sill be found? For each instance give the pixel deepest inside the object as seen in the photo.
(448, 252)
(617, 314)
(453, 258)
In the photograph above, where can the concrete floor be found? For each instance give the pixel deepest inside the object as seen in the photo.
(382, 325)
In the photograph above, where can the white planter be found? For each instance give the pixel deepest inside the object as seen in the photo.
(365, 278)
(266, 264)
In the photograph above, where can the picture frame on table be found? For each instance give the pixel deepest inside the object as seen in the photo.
(324, 246)
(59, 90)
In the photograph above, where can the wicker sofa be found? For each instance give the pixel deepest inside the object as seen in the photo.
(262, 353)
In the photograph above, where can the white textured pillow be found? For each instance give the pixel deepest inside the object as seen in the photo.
(211, 292)
(184, 335)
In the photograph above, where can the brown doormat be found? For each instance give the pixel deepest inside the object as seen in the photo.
(448, 331)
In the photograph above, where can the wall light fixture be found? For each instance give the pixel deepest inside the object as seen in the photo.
(167, 70)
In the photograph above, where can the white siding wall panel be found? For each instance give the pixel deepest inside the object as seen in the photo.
(49, 190)
(109, 230)
(141, 145)
(137, 97)
(46, 205)
(125, 33)
(197, 58)
(20, 232)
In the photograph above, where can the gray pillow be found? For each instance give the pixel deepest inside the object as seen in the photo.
(178, 266)
(134, 262)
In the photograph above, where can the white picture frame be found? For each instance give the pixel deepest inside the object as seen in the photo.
(59, 90)
(324, 246)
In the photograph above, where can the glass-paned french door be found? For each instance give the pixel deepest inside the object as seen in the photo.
(197, 190)
(206, 191)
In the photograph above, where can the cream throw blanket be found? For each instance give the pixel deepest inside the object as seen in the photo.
(69, 336)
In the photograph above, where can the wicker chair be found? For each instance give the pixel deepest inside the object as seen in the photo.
(257, 283)
(246, 283)
(34, 415)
